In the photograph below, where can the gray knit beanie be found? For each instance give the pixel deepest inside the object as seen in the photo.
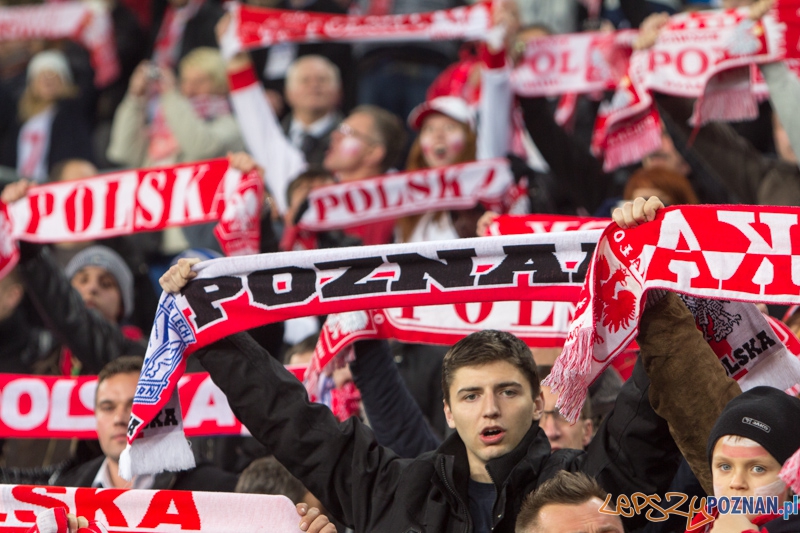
(108, 259)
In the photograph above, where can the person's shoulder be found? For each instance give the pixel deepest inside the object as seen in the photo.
(206, 477)
(81, 475)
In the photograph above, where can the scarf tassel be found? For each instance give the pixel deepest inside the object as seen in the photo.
(790, 473)
(569, 374)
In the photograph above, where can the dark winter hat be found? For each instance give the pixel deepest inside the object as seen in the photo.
(765, 415)
(108, 259)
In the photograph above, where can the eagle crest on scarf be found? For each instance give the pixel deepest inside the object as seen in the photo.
(711, 316)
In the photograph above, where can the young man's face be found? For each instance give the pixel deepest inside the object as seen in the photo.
(740, 466)
(492, 409)
(99, 290)
(567, 518)
(112, 412)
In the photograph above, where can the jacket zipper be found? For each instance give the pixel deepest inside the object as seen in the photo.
(454, 493)
(497, 496)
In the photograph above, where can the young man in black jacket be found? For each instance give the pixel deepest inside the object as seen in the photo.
(477, 479)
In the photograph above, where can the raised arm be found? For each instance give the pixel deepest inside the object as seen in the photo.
(393, 414)
(689, 387)
(579, 174)
(262, 133)
(340, 463)
(92, 339)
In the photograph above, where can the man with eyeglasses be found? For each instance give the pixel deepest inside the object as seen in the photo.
(560, 433)
(367, 143)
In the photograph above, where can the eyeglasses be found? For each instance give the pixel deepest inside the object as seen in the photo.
(347, 131)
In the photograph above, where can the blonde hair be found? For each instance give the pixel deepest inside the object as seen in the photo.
(31, 105)
(208, 60)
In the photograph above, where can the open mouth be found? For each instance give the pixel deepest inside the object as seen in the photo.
(492, 435)
(440, 152)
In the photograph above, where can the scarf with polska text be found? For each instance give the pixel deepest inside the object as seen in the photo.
(130, 201)
(573, 63)
(88, 23)
(409, 193)
(237, 294)
(257, 27)
(704, 55)
(28, 508)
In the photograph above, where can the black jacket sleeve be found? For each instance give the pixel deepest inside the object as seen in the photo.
(393, 414)
(340, 463)
(92, 339)
(580, 175)
(633, 450)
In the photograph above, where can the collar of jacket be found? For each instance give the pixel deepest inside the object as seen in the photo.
(524, 462)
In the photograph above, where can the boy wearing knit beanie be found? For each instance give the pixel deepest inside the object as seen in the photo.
(104, 282)
(754, 436)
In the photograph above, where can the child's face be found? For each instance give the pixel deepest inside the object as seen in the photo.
(741, 466)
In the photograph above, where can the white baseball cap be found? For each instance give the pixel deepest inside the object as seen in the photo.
(449, 106)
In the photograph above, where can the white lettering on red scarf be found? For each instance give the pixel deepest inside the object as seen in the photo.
(409, 193)
(254, 27)
(123, 203)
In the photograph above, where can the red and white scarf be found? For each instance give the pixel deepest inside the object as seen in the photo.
(231, 295)
(704, 55)
(121, 510)
(33, 145)
(728, 253)
(409, 193)
(520, 225)
(255, 27)
(573, 63)
(129, 201)
(88, 23)
(721, 252)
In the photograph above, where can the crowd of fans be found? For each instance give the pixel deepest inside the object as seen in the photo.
(313, 114)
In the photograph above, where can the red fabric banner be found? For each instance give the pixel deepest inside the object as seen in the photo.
(256, 27)
(87, 23)
(521, 224)
(63, 408)
(409, 193)
(130, 201)
(574, 63)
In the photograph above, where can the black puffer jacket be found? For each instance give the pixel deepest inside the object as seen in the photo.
(370, 488)
(93, 340)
